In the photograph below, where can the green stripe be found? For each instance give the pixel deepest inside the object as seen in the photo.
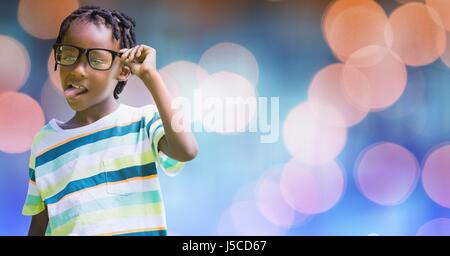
(32, 209)
(170, 163)
(110, 214)
(105, 203)
(33, 200)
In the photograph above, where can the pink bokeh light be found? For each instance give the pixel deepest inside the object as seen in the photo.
(386, 173)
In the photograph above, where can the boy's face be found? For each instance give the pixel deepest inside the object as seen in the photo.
(99, 84)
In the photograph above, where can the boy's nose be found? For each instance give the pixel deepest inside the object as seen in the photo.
(80, 66)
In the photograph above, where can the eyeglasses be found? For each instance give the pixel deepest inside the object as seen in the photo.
(98, 58)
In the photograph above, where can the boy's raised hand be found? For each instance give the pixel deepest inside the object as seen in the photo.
(141, 59)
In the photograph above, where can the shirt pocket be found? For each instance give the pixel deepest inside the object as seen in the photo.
(118, 182)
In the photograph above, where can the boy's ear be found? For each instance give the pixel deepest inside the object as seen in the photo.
(124, 73)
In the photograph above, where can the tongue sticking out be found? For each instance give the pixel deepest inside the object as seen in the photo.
(72, 92)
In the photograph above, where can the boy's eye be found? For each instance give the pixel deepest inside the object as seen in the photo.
(68, 58)
(97, 61)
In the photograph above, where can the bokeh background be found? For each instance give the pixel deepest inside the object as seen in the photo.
(364, 112)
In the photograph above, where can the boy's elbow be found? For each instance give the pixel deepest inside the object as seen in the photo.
(190, 153)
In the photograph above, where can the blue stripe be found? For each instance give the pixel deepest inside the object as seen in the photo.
(32, 174)
(146, 233)
(91, 138)
(154, 119)
(123, 174)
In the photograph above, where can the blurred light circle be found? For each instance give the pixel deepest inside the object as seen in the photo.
(54, 105)
(43, 18)
(442, 8)
(312, 190)
(231, 57)
(228, 103)
(135, 93)
(436, 227)
(310, 138)
(387, 77)
(21, 118)
(182, 78)
(329, 87)
(14, 64)
(247, 220)
(386, 173)
(411, 100)
(54, 76)
(436, 175)
(271, 203)
(419, 36)
(350, 25)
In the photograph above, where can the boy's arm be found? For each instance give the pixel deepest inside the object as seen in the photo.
(38, 224)
(181, 145)
(141, 60)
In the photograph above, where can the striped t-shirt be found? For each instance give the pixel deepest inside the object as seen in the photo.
(101, 179)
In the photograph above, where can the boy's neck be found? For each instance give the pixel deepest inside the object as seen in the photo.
(94, 113)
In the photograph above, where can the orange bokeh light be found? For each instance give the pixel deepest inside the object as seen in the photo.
(349, 25)
(442, 7)
(418, 34)
(387, 78)
(43, 18)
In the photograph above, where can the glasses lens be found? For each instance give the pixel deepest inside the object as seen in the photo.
(100, 59)
(66, 55)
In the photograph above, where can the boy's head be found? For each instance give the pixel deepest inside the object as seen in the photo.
(90, 77)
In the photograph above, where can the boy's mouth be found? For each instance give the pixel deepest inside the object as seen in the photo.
(74, 90)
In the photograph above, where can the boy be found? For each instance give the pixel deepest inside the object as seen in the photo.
(96, 173)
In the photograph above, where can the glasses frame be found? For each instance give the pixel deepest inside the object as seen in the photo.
(85, 51)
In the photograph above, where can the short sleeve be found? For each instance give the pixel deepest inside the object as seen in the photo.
(33, 202)
(155, 131)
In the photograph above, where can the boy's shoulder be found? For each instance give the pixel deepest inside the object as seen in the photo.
(41, 135)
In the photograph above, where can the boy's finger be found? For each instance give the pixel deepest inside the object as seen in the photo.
(138, 54)
(122, 51)
(126, 54)
(133, 53)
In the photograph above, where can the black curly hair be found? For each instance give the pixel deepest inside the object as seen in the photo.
(123, 28)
